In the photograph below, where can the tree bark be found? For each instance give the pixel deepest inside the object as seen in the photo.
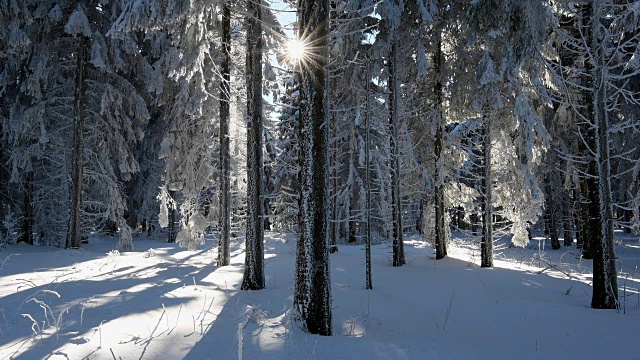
(74, 234)
(551, 211)
(368, 281)
(254, 250)
(440, 231)
(591, 222)
(334, 225)
(312, 294)
(577, 214)
(566, 217)
(394, 122)
(173, 232)
(486, 242)
(224, 256)
(605, 284)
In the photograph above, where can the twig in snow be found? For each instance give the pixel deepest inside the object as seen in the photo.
(33, 285)
(177, 318)
(5, 260)
(446, 318)
(151, 337)
(568, 291)
(35, 327)
(205, 315)
(203, 305)
(477, 277)
(554, 267)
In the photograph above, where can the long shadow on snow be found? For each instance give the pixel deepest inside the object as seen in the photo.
(75, 291)
(220, 341)
(502, 299)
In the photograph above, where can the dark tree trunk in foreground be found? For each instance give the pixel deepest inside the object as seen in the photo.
(605, 283)
(74, 233)
(254, 250)
(368, 281)
(312, 294)
(591, 222)
(440, 231)
(224, 257)
(394, 122)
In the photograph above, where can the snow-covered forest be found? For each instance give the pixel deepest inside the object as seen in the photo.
(319, 179)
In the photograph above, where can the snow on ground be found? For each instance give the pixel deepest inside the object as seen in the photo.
(163, 302)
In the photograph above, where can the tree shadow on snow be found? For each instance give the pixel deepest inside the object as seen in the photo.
(87, 305)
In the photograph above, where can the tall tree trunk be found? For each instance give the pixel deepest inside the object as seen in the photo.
(605, 284)
(577, 214)
(173, 232)
(394, 122)
(224, 257)
(27, 213)
(566, 218)
(312, 294)
(368, 281)
(334, 225)
(486, 243)
(254, 251)
(591, 222)
(440, 231)
(590, 212)
(551, 211)
(74, 233)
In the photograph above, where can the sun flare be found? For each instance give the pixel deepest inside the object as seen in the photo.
(296, 50)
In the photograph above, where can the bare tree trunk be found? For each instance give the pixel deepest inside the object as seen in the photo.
(74, 234)
(334, 225)
(591, 222)
(440, 240)
(312, 294)
(224, 257)
(486, 243)
(577, 214)
(254, 253)
(551, 211)
(173, 232)
(605, 284)
(566, 218)
(27, 213)
(368, 282)
(394, 121)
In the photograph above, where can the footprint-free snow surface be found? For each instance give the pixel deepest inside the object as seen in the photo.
(163, 302)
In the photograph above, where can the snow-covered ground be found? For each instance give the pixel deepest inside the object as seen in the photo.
(163, 302)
